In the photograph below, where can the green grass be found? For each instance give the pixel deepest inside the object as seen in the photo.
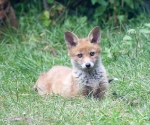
(25, 54)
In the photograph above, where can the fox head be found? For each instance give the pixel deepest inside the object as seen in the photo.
(84, 52)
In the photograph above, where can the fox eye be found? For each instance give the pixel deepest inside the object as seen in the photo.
(79, 55)
(92, 53)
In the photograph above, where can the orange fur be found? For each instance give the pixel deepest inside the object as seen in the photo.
(57, 80)
(87, 75)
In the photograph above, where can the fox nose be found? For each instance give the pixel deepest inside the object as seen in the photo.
(88, 65)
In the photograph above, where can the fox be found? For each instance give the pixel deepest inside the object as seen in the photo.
(87, 77)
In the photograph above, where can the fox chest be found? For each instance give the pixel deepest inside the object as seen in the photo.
(89, 78)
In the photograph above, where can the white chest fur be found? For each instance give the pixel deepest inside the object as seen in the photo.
(90, 77)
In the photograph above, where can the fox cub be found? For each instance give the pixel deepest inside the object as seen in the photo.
(87, 76)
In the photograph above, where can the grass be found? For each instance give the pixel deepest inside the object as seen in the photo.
(25, 54)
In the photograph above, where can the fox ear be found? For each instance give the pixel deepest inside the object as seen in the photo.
(94, 35)
(71, 39)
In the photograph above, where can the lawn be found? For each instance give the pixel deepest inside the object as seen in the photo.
(34, 49)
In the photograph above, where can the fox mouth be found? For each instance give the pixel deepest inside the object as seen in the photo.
(87, 68)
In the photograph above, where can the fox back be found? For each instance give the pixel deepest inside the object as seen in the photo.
(87, 75)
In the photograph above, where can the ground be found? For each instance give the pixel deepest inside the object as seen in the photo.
(34, 49)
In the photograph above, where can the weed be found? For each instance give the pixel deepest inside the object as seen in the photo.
(26, 54)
